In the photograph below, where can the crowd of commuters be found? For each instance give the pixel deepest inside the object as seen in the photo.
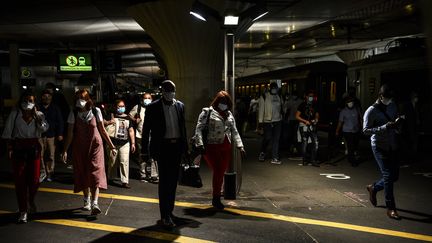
(153, 134)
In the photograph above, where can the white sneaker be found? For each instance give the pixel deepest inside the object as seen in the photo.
(42, 177)
(261, 157)
(276, 161)
(23, 218)
(95, 210)
(87, 205)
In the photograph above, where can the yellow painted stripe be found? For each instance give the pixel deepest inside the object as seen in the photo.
(354, 227)
(120, 229)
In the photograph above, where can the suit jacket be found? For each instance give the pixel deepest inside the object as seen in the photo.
(155, 127)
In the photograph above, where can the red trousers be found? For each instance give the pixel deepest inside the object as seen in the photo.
(218, 157)
(26, 174)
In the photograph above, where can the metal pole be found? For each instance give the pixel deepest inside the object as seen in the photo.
(230, 188)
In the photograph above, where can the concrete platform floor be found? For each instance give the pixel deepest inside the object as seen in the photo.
(277, 203)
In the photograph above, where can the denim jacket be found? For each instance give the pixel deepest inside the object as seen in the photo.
(218, 128)
(374, 124)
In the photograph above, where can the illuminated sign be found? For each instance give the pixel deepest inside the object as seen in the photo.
(75, 62)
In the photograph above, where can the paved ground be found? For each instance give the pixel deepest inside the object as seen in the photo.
(277, 203)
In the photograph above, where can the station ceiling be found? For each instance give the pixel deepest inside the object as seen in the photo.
(294, 32)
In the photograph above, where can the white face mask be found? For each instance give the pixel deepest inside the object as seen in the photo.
(80, 103)
(27, 106)
(222, 107)
(147, 101)
(415, 99)
(169, 96)
(386, 101)
(350, 104)
(310, 99)
(273, 91)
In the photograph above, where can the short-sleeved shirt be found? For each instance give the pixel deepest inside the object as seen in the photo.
(307, 111)
(350, 119)
(85, 116)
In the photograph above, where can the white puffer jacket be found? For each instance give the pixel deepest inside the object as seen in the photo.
(218, 128)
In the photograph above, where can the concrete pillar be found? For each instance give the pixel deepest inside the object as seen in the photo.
(191, 49)
(426, 6)
(14, 67)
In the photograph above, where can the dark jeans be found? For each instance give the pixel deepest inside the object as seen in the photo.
(169, 164)
(272, 132)
(306, 134)
(352, 140)
(389, 167)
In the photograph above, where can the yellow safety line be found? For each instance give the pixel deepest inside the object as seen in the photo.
(260, 215)
(120, 229)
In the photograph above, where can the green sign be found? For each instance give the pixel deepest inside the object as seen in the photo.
(75, 62)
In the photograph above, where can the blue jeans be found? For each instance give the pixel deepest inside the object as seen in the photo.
(306, 134)
(272, 132)
(389, 167)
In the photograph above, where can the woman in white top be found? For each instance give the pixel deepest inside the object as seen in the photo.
(222, 131)
(23, 129)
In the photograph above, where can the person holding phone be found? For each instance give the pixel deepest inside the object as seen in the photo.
(381, 122)
(24, 128)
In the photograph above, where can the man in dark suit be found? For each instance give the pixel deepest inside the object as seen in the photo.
(164, 139)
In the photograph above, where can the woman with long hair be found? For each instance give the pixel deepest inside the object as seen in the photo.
(85, 133)
(23, 129)
(222, 132)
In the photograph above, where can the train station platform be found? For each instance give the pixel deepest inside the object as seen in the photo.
(277, 203)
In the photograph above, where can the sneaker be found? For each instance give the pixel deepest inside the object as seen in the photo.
(42, 177)
(276, 161)
(22, 218)
(69, 167)
(87, 205)
(95, 210)
(49, 178)
(261, 157)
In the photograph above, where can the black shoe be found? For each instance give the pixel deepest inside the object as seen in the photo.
(167, 222)
(372, 195)
(216, 202)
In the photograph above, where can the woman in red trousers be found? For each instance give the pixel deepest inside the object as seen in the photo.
(222, 132)
(23, 129)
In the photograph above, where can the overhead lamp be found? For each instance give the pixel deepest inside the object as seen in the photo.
(256, 12)
(231, 20)
(202, 11)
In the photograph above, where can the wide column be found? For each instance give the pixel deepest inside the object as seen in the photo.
(191, 49)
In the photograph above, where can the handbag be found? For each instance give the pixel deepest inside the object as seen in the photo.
(189, 174)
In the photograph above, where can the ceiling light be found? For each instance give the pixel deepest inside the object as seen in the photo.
(203, 12)
(231, 20)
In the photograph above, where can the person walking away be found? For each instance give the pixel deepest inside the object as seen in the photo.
(381, 123)
(222, 132)
(270, 117)
(23, 129)
(123, 139)
(350, 124)
(55, 132)
(308, 117)
(148, 169)
(85, 133)
(165, 121)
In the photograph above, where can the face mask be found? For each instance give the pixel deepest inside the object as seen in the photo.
(222, 107)
(147, 101)
(27, 106)
(350, 104)
(80, 103)
(169, 96)
(273, 91)
(415, 100)
(121, 110)
(385, 101)
(310, 99)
